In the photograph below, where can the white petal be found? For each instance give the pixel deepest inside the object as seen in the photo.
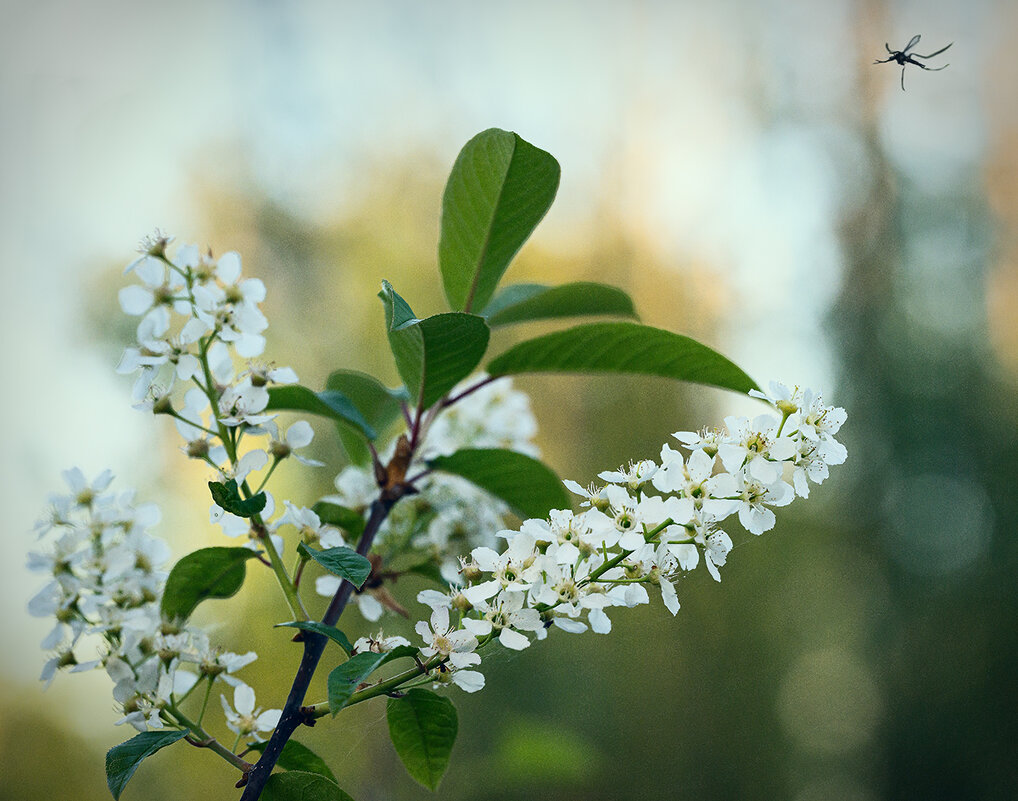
(244, 699)
(600, 623)
(299, 434)
(370, 607)
(479, 628)
(228, 267)
(669, 596)
(570, 625)
(135, 300)
(513, 639)
(469, 681)
(268, 719)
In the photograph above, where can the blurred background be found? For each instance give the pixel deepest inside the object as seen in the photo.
(746, 172)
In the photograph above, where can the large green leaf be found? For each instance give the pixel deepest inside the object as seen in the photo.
(343, 680)
(123, 760)
(530, 487)
(377, 403)
(343, 562)
(329, 403)
(499, 189)
(518, 303)
(331, 632)
(434, 354)
(298, 785)
(227, 495)
(206, 573)
(297, 756)
(622, 348)
(422, 727)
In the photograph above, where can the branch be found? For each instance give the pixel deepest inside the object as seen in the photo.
(294, 714)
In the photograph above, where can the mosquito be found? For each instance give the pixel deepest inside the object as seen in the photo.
(903, 57)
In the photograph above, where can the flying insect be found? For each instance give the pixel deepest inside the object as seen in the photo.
(903, 57)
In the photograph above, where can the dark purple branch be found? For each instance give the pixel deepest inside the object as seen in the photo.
(449, 401)
(314, 644)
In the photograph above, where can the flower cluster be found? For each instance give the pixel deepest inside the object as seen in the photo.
(198, 314)
(642, 525)
(449, 515)
(105, 585)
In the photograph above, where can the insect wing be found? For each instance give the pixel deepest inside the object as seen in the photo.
(911, 43)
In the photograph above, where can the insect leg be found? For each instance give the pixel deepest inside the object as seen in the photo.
(931, 55)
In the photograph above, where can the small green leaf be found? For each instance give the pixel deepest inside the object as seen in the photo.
(521, 302)
(227, 495)
(297, 756)
(622, 348)
(331, 632)
(422, 727)
(499, 189)
(434, 354)
(328, 403)
(530, 487)
(343, 562)
(378, 404)
(206, 573)
(298, 785)
(123, 760)
(343, 680)
(340, 516)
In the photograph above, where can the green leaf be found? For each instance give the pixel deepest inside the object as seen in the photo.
(227, 495)
(499, 189)
(434, 354)
(123, 760)
(378, 404)
(422, 727)
(521, 302)
(297, 785)
(331, 632)
(343, 562)
(329, 403)
(297, 756)
(206, 573)
(340, 516)
(622, 348)
(530, 487)
(343, 680)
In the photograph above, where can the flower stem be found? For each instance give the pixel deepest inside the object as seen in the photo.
(205, 740)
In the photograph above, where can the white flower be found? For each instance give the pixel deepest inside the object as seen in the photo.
(455, 645)
(246, 720)
(298, 435)
(378, 644)
(508, 617)
(753, 499)
(754, 446)
(636, 474)
(595, 495)
(717, 546)
(310, 527)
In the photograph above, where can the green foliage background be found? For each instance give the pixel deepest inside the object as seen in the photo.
(864, 649)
